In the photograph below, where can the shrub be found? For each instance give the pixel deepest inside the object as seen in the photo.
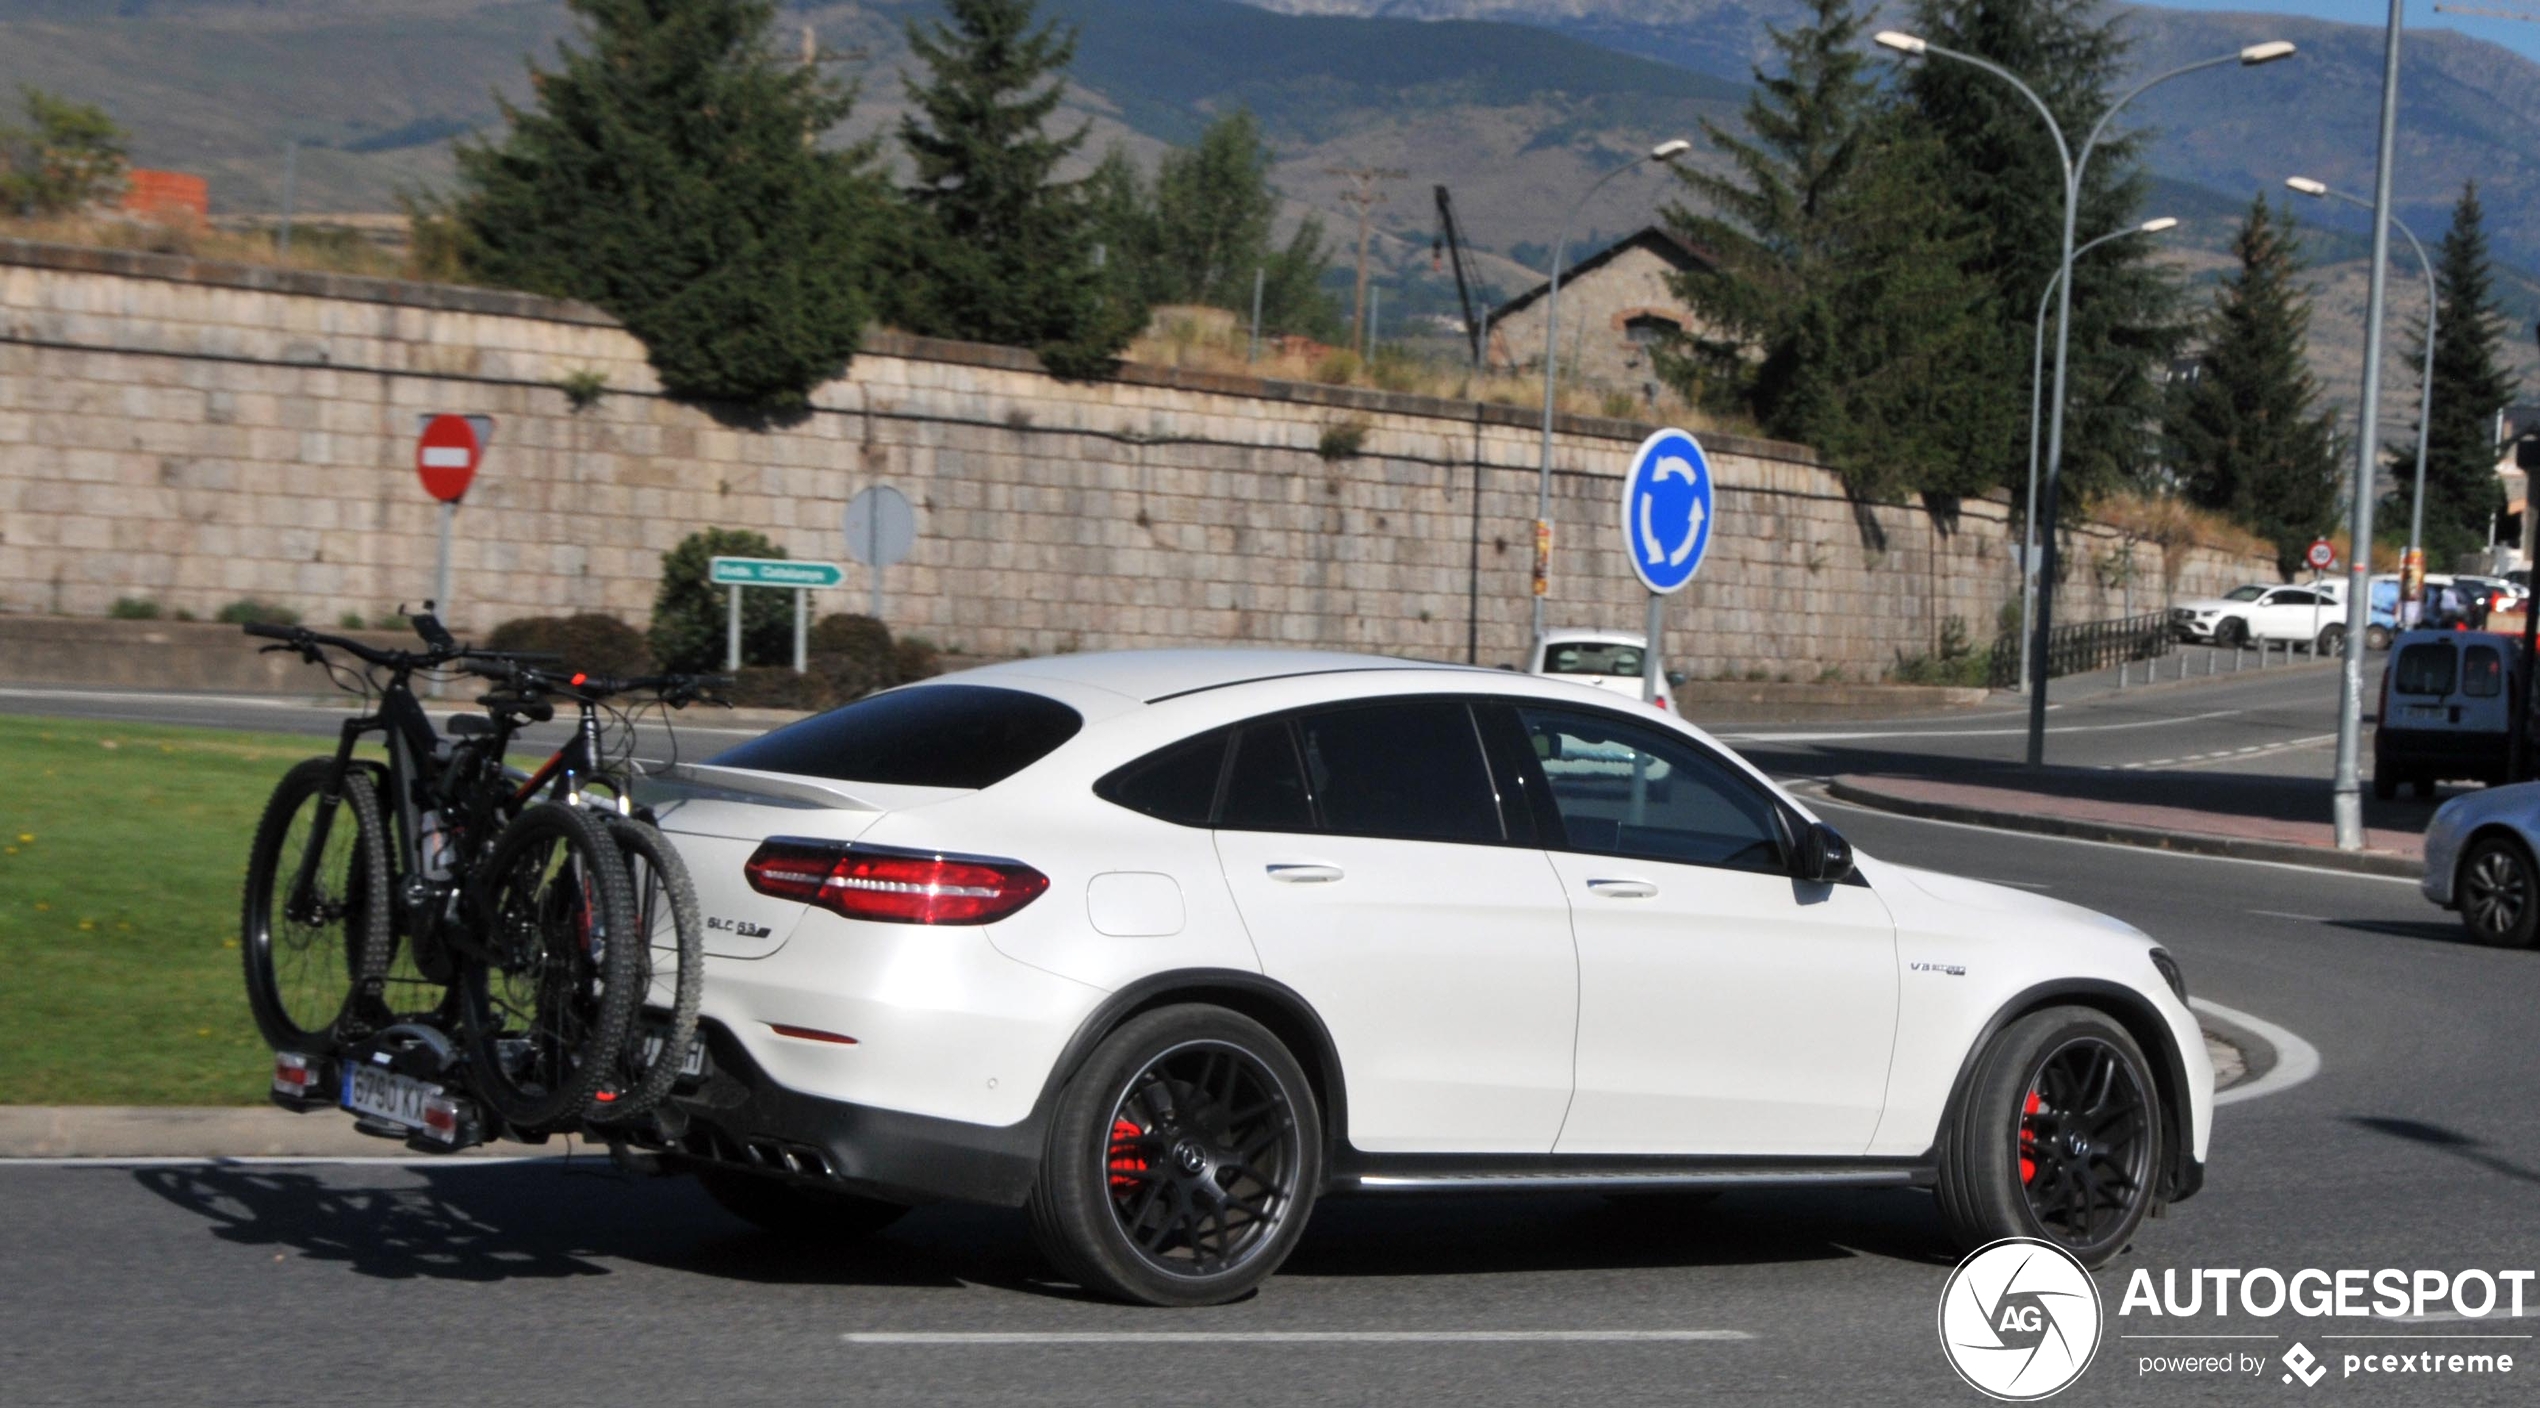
(1394, 368)
(689, 611)
(248, 610)
(349, 621)
(850, 657)
(134, 608)
(1338, 367)
(601, 644)
(1342, 439)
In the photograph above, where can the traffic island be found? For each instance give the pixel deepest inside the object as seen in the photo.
(2136, 823)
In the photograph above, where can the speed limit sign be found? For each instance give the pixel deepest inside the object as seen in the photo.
(2322, 556)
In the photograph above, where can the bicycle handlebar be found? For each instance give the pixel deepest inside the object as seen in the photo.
(443, 648)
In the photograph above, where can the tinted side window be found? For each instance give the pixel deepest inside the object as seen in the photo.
(2291, 598)
(1265, 786)
(2482, 672)
(1627, 790)
(936, 735)
(1411, 770)
(1176, 784)
(2424, 668)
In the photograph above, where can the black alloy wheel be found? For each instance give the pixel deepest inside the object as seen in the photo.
(2496, 893)
(1183, 1161)
(2332, 641)
(2085, 1144)
(2231, 633)
(2060, 1135)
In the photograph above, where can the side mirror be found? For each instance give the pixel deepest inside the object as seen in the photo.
(1825, 858)
(1675, 679)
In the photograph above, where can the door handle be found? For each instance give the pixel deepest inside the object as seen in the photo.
(1304, 874)
(1623, 889)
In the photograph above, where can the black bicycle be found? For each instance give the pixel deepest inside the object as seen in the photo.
(389, 903)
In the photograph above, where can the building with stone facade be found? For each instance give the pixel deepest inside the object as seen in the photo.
(1614, 304)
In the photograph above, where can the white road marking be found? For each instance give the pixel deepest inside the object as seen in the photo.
(2288, 914)
(2296, 1060)
(1967, 732)
(1819, 799)
(967, 1338)
(2230, 754)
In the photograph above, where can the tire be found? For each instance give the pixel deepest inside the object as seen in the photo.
(670, 972)
(794, 1211)
(2007, 1168)
(2332, 641)
(2231, 633)
(2500, 902)
(2376, 638)
(1183, 1117)
(548, 1001)
(305, 961)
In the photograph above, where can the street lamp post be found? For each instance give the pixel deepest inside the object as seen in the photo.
(2036, 394)
(2075, 167)
(2425, 377)
(1661, 154)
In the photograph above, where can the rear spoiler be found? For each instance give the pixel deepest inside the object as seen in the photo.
(704, 782)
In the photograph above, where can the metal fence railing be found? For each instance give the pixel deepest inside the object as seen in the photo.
(2082, 646)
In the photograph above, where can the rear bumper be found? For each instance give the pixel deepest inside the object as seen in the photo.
(2439, 754)
(741, 1118)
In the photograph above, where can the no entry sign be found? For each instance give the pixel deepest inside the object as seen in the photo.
(447, 453)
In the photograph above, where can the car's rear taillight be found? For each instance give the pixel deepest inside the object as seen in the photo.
(893, 886)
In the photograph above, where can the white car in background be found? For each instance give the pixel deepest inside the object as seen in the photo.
(1607, 660)
(1166, 946)
(2311, 613)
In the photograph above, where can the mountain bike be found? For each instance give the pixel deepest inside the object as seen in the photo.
(527, 911)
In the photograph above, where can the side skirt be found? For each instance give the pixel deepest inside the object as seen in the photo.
(1357, 1172)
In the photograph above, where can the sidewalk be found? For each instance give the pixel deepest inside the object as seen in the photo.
(2144, 809)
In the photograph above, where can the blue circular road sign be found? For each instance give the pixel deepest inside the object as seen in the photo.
(1667, 510)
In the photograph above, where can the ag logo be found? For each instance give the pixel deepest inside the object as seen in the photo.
(2019, 1319)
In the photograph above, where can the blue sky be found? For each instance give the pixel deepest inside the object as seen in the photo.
(2521, 36)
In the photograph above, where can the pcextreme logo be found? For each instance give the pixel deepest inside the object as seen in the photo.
(2019, 1319)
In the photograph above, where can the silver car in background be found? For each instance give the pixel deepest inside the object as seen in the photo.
(2479, 853)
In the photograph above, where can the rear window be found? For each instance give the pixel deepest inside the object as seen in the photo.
(1588, 657)
(943, 735)
(2424, 668)
(2482, 672)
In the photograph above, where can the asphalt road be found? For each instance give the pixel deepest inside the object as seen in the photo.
(2414, 1146)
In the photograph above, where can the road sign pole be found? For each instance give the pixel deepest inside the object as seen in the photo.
(441, 569)
(802, 631)
(1652, 630)
(732, 632)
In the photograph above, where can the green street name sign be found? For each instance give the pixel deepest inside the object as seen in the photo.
(775, 572)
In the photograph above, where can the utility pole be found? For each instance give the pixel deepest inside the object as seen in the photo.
(1364, 197)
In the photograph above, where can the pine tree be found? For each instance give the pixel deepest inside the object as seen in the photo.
(2001, 170)
(69, 154)
(1206, 226)
(1839, 312)
(2247, 435)
(1000, 250)
(2470, 386)
(666, 172)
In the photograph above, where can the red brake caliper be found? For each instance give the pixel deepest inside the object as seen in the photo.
(2028, 1138)
(1125, 1158)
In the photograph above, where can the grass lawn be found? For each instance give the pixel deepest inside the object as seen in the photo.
(122, 849)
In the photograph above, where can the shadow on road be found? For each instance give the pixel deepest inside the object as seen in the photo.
(2427, 930)
(501, 1222)
(2450, 1141)
(1465, 1234)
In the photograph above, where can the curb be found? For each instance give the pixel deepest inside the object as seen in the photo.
(190, 1131)
(2148, 837)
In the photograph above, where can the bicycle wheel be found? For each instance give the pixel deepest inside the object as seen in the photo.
(670, 973)
(306, 947)
(549, 995)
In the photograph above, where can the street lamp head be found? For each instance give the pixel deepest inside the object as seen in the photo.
(2154, 227)
(2266, 53)
(2304, 185)
(1900, 41)
(1669, 150)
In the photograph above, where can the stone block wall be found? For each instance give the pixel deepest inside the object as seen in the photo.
(196, 433)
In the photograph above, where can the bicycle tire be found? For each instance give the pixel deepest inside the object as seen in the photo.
(548, 999)
(663, 894)
(302, 981)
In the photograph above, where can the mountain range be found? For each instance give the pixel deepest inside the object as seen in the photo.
(1516, 105)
